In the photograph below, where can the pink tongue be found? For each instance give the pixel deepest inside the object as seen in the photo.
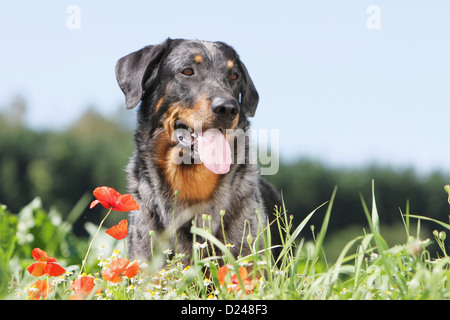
(214, 151)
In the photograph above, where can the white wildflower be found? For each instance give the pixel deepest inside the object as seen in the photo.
(207, 282)
(198, 245)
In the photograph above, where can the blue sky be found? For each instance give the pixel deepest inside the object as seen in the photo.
(337, 91)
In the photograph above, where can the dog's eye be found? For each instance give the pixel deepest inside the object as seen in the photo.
(234, 76)
(188, 72)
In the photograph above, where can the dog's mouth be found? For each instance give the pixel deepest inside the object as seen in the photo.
(209, 147)
(185, 135)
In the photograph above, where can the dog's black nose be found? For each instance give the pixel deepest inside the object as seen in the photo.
(224, 108)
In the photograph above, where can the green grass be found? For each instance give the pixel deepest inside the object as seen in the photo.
(366, 268)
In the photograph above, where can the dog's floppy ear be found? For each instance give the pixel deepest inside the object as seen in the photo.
(135, 69)
(249, 95)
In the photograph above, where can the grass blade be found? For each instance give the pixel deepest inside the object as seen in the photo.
(375, 216)
(323, 231)
(294, 235)
(445, 225)
(326, 220)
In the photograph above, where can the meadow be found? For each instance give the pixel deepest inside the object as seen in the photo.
(41, 258)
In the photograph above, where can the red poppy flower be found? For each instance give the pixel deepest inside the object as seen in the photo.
(111, 199)
(249, 284)
(44, 265)
(222, 273)
(39, 289)
(118, 268)
(119, 231)
(82, 287)
(131, 270)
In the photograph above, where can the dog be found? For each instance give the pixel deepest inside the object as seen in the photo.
(186, 89)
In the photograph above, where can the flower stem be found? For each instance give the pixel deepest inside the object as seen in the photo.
(222, 213)
(92, 241)
(125, 248)
(47, 287)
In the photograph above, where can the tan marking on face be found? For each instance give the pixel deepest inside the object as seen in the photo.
(230, 64)
(198, 58)
(160, 101)
(235, 122)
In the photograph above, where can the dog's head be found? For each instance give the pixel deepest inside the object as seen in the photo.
(192, 72)
(187, 87)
